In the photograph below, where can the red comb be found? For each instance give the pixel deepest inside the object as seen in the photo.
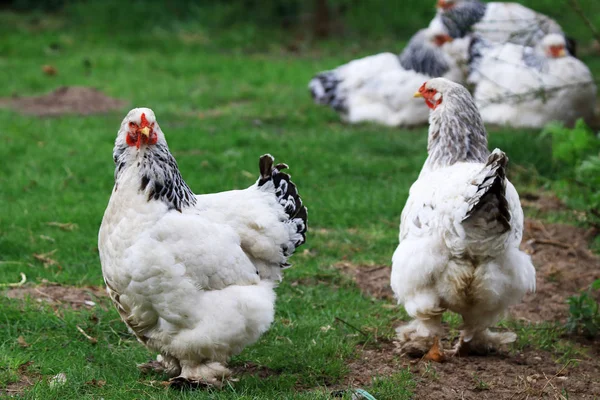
(144, 120)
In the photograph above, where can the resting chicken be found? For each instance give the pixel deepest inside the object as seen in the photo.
(459, 233)
(376, 88)
(530, 86)
(192, 276)
(497, 22)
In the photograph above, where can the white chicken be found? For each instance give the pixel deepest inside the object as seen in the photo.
(497, 22)
(193, 276)
(376, 88)
(459, 233)
(529, 87)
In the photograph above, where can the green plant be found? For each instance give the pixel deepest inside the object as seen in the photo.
(571, 146)
(584, 312)
(576, 159)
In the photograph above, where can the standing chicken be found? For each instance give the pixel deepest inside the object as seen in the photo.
(529, 87)
(497, 22)
(459, 233)
(376, 88)
(191, 275)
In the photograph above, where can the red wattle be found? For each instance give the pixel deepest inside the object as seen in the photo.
(130, 140)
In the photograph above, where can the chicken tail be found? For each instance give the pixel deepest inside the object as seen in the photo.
(488, 207)
(323, 89)
(287, 195)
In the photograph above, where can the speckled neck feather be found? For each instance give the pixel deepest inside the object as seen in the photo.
(456, 131)
(159, 175)
(423, 57)
(460, 19)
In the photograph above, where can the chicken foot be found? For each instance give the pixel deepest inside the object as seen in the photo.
(194, 374)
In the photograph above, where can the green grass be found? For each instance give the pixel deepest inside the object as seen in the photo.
(221, 105)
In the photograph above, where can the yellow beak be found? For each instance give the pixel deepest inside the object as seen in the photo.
(417, 94)
(562, 53)
(145, 131)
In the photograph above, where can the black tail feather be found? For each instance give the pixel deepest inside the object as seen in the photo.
(489, 202)
(324, 90)
(287, 194)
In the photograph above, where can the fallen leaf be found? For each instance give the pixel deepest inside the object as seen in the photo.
(22, 342)
(49, 70)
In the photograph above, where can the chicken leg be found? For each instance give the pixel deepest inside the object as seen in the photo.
(456, 350)
(421, 334)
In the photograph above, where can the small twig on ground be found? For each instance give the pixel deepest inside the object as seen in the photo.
(549, 381)
(47, 295)
(65, 226)
(577, 7)
(20, 283)
(88, 337)
(352, 327)
(46, 260)
(550, 243)
(11, 262)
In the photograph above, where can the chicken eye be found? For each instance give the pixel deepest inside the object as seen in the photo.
(132, 125)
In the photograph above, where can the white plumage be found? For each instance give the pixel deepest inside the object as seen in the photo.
(377, 88)
(460, 231)
(193, 276)
(529, 87)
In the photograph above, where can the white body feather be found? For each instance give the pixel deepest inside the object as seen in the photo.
(185, 277)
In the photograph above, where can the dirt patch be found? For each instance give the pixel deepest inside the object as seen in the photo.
(545, 202)
(532, 374)
(374, 360)
(564, 266)
(26, 379)
(64, 100)
(528, 375)
(57, 295)
(373, 280)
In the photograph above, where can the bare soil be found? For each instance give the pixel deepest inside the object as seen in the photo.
(58, 295)
(373, 280)
(564, 267)
(531, 374)
(64, 100)
(527, 375)
(27, 378)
